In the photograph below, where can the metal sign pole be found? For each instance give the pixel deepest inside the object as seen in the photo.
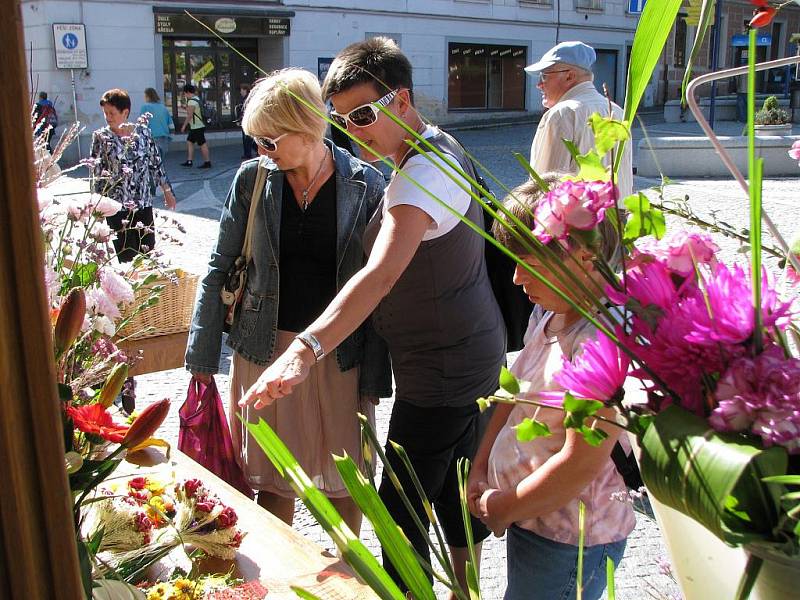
(715, 60)
(75, 106)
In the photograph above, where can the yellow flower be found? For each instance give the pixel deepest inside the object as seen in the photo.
(158, 592)
(155, 486)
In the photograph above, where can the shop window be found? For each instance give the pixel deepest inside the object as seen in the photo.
(486, 77)
(589, 4)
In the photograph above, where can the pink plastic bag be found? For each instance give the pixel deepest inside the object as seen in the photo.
(204, 435)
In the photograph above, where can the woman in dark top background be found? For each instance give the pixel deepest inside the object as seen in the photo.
(307, 242)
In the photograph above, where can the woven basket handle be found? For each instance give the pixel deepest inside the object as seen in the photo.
(258, 187)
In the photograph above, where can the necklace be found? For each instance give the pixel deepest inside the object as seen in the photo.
(313, 179)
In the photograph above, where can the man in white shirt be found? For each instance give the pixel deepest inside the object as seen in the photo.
(565, 80)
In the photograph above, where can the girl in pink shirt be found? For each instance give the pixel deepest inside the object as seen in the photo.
(532, 489)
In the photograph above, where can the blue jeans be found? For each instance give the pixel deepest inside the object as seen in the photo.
(542, 569)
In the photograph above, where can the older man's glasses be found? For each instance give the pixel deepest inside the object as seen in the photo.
(544, 75)
(364, 115)
(267, 143)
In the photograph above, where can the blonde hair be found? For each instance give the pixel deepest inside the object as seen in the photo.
(277, 105)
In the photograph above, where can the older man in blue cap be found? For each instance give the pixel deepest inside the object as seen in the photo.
(570, 97)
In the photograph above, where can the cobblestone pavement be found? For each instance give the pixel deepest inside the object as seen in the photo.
(200, 199)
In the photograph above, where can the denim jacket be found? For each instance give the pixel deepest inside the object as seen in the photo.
(359, 190)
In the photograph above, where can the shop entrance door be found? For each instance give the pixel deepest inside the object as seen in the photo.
(605, 71)
(216, 71)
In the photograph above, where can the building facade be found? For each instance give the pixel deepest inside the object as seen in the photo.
(468, 55)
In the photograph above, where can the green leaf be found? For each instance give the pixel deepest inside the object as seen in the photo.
(508, 381)
(591, 167)
(304, 593)
(532, 172)
(607, 132)
(787, 479)
(610, 591)
(652, 32)
(530, 429)
(393, 541)
(83, 275)
(644, 219)
(693, 469)
(577, 410)
(351, 548)
(593, 437)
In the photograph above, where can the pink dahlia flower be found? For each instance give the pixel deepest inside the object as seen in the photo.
(572, 204)
(650, 285)
(680, 250)
(597, 371)
(794, 151)
(761, 394)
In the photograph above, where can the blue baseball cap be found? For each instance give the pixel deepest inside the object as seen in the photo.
(576, 54)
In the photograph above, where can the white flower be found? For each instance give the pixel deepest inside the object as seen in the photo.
(76, 210)
(45, 198)
(51, 282)
(104, 325)
(100, 303)
(101, 231)
(116, 288)
(105, 205)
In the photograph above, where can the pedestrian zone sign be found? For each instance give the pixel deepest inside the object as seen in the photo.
(635, 7)
(69, 40)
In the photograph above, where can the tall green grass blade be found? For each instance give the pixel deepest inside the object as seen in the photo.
(472, 566)
(352, 549)
(303, 593)
(581, 540)
(394, 543)
(611, 592)
(755, 170)
(531, 172)
(652, 32)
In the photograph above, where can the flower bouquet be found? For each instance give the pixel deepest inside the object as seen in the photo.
(149, 518)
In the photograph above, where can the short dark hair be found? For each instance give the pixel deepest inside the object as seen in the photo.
(377, 61)
(522, 202)
(117, 98)
(189, 88)
(42, 95)
(151, 95)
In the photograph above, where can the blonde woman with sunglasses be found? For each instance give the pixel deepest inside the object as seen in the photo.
(426, 280)
(307, 243)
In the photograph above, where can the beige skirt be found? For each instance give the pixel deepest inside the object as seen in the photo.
(318, 418)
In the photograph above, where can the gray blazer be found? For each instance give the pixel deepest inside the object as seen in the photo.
(359, 190)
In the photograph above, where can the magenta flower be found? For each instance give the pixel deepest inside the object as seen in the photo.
(680, 250)
(794, 152)
(761, 394)
(650, 284)
(597, 371)
(726, 316)
(572, 204)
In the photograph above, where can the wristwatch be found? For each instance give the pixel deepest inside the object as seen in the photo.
(310, 340)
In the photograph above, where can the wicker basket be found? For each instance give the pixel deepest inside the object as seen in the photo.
(171, 314)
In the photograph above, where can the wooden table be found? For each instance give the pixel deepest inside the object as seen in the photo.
(159, 353)
(271, 552)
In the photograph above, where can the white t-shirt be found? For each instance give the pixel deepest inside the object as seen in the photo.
(421, 169)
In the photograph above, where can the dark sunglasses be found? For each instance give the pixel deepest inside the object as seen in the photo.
(267, 143)
(364, 115)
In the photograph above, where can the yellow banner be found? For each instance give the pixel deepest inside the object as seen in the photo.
(203, 71)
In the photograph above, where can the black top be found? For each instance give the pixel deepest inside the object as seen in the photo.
(308, 257)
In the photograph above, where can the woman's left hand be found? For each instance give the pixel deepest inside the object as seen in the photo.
(291, 367)
(169, 200)
(489, 515)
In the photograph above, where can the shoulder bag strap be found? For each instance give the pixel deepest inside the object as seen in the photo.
(258, 188)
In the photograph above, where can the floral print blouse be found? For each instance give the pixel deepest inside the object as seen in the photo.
(127, 169)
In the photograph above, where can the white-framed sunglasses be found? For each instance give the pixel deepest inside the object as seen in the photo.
(364, 115)
(267, 143)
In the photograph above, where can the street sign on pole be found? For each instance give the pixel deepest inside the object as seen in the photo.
(635, 7)
(69, 40)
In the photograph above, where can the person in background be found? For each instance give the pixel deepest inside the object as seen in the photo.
(197, 128)
(45, 119)
(307, 243)
(532, 489)
(160, 121)
(426, 282)
(570, 97)
(127, 167)
(249, 149)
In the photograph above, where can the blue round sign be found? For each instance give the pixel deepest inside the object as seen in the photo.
(70, 41)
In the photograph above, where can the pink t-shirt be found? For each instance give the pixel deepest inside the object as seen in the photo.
(510, 461)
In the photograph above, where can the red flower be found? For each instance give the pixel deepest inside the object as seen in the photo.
(96, 420)
(227, 518)
(763, 14)
(191, 486)
(138, 483)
